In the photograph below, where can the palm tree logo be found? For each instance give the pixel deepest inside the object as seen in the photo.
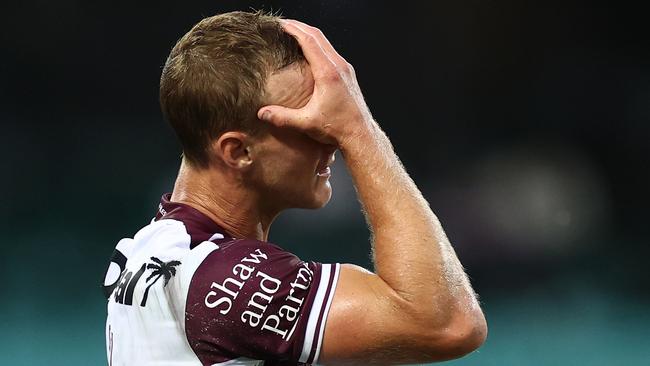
(160, 269)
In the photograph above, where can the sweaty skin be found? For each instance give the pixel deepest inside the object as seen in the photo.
(419, 306)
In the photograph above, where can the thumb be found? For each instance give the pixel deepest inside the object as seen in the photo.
(278, 115)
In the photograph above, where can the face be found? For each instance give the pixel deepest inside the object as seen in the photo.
(290, 168)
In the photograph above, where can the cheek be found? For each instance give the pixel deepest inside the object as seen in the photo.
(300, 158)
(289, 167)
(301, 167)
(287, 162)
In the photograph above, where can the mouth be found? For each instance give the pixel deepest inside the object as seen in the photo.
(325, 172)
(323, 169)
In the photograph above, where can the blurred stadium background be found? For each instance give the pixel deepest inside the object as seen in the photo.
(526, 125)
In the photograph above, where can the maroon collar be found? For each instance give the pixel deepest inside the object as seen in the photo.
(200, 227)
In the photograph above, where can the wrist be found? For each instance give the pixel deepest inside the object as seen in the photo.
(365, 135)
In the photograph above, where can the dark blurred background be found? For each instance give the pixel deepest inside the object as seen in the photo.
(525, 124)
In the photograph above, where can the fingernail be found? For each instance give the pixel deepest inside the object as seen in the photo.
(266, 116)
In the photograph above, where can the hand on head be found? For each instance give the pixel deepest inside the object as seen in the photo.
(336, 111)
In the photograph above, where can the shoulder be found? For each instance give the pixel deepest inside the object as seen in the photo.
(227, 270)
(255, 253)
(269, 303)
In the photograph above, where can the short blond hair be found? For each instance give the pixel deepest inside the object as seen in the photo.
(214, 77)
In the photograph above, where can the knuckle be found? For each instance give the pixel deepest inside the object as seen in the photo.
(309, 38)
(331, 74)
(349, 68)
(318, 32)
(343, 70)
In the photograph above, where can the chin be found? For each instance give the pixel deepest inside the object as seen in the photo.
(321, 203)
(318, 199)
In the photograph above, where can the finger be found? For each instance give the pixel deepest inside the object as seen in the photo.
(325, 44)
(317, 58)
(281, 116)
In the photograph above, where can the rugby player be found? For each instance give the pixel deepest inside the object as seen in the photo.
(260, 105)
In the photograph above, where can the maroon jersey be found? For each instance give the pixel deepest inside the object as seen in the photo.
(183, 291)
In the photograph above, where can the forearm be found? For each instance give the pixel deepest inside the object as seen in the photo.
(411, 251)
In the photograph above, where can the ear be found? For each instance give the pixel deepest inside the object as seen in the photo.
(233, 149)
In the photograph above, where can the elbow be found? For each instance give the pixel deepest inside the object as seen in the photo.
(456, 338)
(464, 336)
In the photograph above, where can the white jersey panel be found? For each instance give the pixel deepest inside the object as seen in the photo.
(146, 310)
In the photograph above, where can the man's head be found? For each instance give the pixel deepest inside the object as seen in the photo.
(215, 80)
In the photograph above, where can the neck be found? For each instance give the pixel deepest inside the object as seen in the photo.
(223, 198)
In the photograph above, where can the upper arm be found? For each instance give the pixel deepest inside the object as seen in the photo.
(370, 323)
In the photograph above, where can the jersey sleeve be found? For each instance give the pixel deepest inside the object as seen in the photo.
(253, 299)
